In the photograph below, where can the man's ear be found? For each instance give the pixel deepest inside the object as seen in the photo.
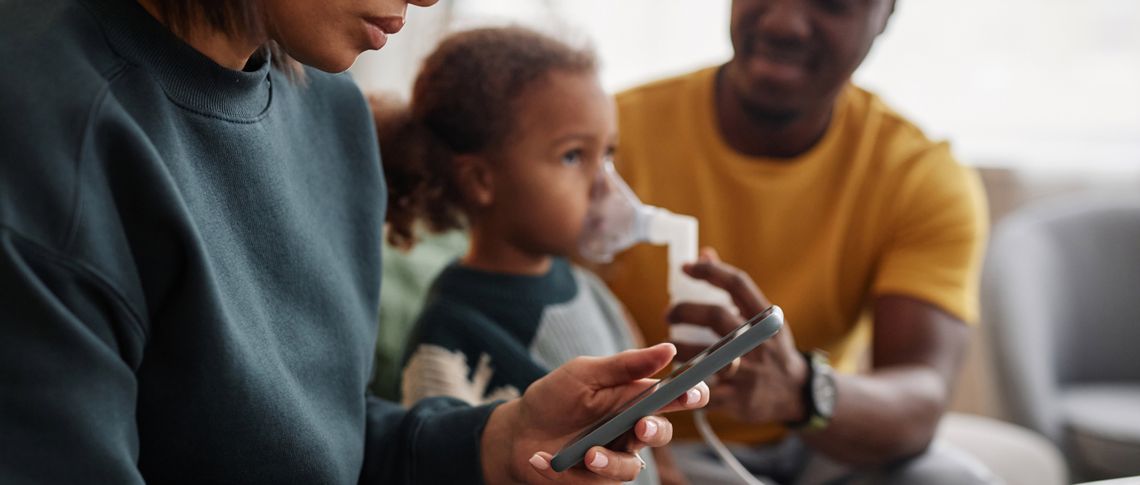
(475, 179)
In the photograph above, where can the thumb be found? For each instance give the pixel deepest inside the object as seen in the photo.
(624, 367)
(708, 253)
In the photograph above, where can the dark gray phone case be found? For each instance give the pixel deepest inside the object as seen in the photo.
(748, 336)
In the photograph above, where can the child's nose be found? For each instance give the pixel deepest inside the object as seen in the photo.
(600, 187)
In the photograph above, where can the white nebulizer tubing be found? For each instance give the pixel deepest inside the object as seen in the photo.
(680, 233)
(722, 451)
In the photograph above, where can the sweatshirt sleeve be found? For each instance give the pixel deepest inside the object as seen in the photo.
(435, 442)
(69, 348)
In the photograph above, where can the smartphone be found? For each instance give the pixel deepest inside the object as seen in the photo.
(737, 343)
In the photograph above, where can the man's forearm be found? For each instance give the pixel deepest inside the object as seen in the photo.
(882, 417)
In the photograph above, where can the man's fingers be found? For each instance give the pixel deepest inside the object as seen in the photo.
(730, 370)
(735, 281)
(723, 397)
(718, 318)
(783, 343)
(686, 351)
(708, 253)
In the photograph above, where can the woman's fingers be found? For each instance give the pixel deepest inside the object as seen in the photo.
(652, 431)
(601, 466)
(694, 398)
(623, 467)
(621, 369)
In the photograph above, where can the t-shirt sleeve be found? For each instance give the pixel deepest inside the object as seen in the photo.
(934, 250)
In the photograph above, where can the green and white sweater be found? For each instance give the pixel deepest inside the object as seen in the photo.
(486, 336)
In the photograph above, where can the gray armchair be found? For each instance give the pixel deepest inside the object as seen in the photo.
(1061, 298)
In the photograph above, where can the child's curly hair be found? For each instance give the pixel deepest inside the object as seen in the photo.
(463, 102)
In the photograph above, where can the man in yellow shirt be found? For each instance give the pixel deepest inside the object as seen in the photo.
(842, 212)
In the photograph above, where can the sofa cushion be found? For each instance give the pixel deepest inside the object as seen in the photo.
(1103, 427)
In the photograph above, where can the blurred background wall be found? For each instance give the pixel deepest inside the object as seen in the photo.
(1041, 83)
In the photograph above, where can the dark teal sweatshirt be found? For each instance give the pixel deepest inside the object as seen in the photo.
(190, 268)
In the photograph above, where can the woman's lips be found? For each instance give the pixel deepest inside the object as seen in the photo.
(376, 35)
(379, 28)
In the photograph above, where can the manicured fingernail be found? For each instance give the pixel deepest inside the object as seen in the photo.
(650, 428)
(537, 462)
(693, 396)
(600, 460)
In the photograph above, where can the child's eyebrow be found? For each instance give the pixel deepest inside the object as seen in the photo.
(607, 139)
(573, 136)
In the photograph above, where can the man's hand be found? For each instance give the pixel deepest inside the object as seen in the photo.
(880, 417)
(557, 407)
(766, 386)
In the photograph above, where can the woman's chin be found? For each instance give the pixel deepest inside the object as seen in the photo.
(332, 62)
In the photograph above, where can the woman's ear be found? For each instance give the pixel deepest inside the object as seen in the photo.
(476, 180)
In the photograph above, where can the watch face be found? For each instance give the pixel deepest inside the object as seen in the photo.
(823, 392)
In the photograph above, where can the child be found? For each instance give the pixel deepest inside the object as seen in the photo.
(505, 137)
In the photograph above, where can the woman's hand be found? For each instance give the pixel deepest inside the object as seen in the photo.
(521, 434)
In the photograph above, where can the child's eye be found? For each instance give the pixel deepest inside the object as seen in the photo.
(572, 157)
(609, 156)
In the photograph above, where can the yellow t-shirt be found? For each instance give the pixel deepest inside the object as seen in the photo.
(874, 208)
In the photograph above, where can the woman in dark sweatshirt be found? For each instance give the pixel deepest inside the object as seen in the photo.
(190, 227)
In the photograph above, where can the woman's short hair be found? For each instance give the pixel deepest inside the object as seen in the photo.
(228, 16)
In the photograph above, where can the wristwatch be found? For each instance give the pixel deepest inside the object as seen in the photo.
(819, 393)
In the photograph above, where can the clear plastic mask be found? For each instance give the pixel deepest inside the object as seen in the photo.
(616, 218)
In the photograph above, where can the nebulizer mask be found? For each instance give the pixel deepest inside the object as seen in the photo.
(616, 221)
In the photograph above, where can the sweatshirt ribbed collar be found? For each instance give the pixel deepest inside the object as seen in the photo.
(188, 77)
